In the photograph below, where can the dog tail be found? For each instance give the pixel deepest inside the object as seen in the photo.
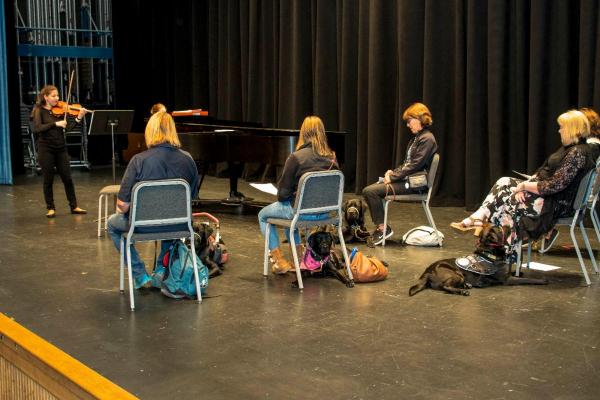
(419, 286)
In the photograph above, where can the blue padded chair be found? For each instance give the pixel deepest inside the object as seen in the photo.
(318, 192)
(580, 206)
(160, 210)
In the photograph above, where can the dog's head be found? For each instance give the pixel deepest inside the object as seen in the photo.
(203, 231)
(354, 212)
(492, 240)
(320, 242)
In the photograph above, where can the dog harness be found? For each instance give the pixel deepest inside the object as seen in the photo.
(312, 261)
(477, 264)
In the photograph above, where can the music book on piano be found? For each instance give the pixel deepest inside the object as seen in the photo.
(187, 113)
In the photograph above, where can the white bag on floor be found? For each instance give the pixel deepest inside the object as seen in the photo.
(423, 236)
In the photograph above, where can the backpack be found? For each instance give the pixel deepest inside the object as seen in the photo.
(422, 236)
(367, 268)
(174, 272)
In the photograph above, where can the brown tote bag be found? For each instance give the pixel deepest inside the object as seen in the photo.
(367, 269)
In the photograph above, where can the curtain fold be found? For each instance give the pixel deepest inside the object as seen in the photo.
(5, 139)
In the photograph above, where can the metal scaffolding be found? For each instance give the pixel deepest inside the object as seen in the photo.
(55, 37)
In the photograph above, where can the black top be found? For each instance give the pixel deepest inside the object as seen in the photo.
(299, 162)
(44, 126)
(162, 161)
(419, 153)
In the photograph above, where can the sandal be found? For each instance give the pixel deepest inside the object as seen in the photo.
(468, 224)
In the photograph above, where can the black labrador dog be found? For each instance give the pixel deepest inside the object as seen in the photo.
(320, 247)
(491, 269)
(354, 229)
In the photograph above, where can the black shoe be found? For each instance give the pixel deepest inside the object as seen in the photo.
(549, 241)
(378, 235)
(237, 197)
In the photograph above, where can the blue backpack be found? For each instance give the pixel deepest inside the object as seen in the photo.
(174, 272)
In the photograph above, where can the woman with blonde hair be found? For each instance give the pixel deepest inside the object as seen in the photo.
(545, 197)
(163, 160)
(419, 154)
(312, 154)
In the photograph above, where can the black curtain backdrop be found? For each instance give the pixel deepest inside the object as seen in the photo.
(495, 74)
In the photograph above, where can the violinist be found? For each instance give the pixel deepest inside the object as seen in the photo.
(50, 125)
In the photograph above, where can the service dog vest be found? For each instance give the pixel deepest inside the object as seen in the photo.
(477, 264)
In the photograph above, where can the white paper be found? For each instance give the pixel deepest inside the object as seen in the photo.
(540, 267)
(265, 187)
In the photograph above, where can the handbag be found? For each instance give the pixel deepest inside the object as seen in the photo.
(418, 180)
(367, 268)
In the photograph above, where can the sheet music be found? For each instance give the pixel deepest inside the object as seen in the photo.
(522, 174)
(265, 187)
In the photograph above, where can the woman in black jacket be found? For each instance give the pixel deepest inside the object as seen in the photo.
(312, 154)
(419, 154)
(52, 151)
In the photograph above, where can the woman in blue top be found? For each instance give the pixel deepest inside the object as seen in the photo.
(312, 154)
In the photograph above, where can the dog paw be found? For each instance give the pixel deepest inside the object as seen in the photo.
(350, 284)
(465, 293)
(468, 285)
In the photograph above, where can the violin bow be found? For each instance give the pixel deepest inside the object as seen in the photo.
(69, 93)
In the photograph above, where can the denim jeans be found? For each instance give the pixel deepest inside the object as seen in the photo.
(119, 223)
(283, 210)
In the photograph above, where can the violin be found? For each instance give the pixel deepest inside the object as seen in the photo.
(62, 107)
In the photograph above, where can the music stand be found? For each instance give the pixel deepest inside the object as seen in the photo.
(111, 122)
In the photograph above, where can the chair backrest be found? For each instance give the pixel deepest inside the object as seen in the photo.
(319, 191)
(593, 195)
(433, 170)
(432, 174)
(161, 203)
(584, 190)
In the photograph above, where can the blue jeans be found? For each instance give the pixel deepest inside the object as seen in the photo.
(119, 223)
(283, 210)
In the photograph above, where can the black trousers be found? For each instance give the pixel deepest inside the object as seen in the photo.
(375, 193)
(54, 161)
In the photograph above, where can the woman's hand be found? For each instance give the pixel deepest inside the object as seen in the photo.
(81, 114)
(386, 178)
(61, 124)
(521, 196)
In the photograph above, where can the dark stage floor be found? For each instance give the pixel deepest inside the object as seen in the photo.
(256, 338)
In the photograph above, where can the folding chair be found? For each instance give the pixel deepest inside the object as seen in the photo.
(417, 197)
(160, 210)
(105, 192)
(318, 192)
(579, 207)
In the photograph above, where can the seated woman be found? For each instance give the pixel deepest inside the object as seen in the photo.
(536, 204)
(594, 139)
(419, 154)
(312, 154)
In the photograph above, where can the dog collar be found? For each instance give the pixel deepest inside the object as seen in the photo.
(476, 264)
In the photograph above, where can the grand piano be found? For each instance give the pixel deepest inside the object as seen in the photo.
(210, 140)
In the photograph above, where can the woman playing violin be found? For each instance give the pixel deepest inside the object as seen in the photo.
(50, 130)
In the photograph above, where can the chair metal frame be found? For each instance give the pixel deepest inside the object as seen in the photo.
(417, 197)
(310, 203)
(178, 215)
(580, 205)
